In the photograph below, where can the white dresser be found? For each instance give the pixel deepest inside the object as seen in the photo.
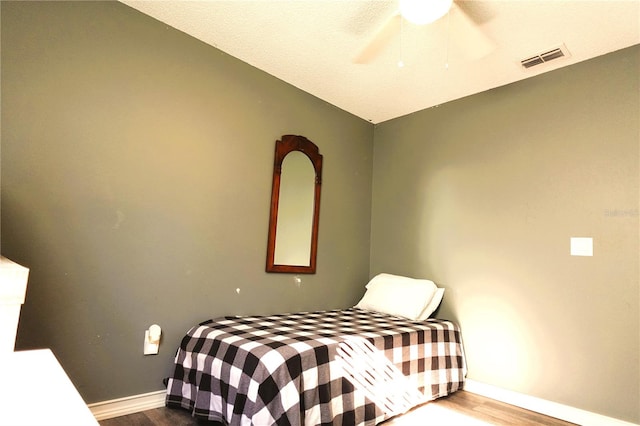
(35, 390)
(13, 286)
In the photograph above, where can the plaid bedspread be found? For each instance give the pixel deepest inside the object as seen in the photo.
(347, 367)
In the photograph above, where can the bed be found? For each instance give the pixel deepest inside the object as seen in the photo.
(355, 366)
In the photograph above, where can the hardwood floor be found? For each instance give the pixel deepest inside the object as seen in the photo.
(459, 409)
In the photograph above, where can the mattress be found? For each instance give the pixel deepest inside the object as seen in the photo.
(350, 366)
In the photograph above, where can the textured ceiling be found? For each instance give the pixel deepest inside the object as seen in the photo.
(315, 44)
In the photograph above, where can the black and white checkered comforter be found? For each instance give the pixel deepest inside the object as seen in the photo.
(314, 368)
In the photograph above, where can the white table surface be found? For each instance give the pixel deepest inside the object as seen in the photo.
(35, 390)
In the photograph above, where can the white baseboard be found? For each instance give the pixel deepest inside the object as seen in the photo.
(549, 408)
(127, 405)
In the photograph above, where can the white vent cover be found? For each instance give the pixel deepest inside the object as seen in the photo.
(546, 56)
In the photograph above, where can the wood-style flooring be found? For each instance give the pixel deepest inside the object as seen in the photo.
(459, 409)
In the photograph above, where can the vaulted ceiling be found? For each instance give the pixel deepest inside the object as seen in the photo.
(347, 52)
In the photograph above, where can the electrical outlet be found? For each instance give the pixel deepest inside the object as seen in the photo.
(152, 340)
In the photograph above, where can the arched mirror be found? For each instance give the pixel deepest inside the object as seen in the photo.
(295, 206)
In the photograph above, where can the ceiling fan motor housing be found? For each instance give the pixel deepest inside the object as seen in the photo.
(422, 12)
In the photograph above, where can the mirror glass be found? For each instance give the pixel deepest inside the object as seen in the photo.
(295, 211)
(295, 206)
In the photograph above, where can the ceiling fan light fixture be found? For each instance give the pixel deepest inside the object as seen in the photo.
(422, 12)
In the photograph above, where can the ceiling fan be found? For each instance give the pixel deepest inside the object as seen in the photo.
(463, 29)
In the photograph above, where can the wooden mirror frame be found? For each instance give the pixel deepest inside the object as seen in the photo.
(287, 144)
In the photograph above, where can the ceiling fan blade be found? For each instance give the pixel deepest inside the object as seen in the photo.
(382, 37)
(468, 36)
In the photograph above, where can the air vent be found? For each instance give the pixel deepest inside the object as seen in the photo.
(541, 58)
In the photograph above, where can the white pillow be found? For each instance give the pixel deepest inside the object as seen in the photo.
(396, 295)
(432, 305)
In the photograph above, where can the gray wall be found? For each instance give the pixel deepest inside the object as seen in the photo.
(483, 194)
(136, 182)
